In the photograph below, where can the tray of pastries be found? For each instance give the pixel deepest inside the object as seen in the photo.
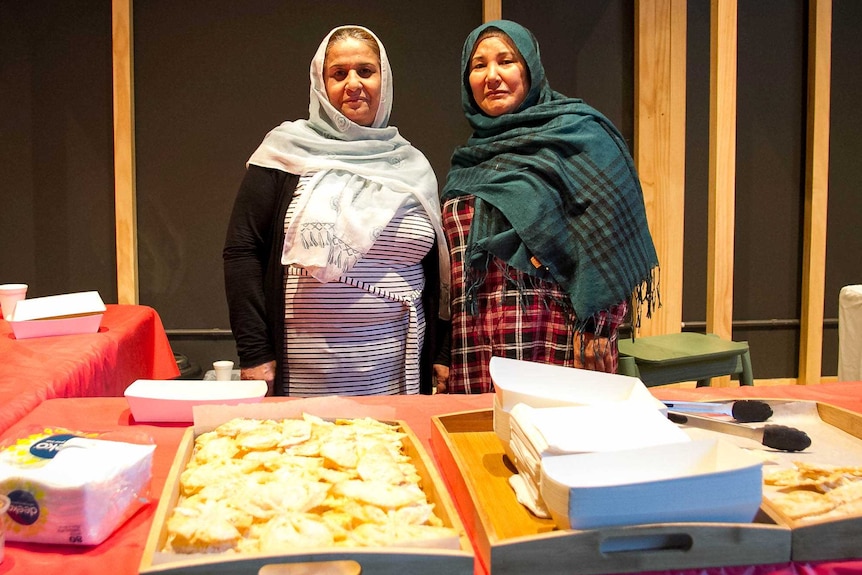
(817, 492)
(345, 495)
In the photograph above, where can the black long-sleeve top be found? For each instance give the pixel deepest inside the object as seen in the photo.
(254, 275)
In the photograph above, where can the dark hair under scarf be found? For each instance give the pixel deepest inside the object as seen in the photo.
(555, 184)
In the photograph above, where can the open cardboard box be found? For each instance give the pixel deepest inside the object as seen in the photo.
(64, 314)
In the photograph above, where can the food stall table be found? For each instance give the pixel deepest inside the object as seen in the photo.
(120, 554)
(130, 344)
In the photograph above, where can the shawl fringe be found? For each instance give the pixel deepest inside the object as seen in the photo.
(341, 254)
(646, 299)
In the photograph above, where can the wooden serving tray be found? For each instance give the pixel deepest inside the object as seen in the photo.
(509, 539)
(328, 561)
(827, 539)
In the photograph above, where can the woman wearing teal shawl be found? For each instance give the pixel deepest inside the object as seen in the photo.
(545, 220)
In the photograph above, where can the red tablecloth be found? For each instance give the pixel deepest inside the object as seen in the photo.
(130, 344)
(120, 554)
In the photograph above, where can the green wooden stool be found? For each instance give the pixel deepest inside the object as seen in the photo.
(686, 356)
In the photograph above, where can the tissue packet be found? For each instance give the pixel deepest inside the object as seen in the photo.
(72, 487)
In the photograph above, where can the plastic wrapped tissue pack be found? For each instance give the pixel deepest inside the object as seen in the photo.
(72, 487)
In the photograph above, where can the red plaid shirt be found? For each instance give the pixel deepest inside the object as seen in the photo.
(519, 317)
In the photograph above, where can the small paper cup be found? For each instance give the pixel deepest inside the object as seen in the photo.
(223, 370)
(10, 295)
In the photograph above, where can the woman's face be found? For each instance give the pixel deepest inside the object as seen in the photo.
(351, 72)
(498, 77)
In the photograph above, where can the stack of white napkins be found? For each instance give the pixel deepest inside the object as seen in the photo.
(67, 488)
(540, 432)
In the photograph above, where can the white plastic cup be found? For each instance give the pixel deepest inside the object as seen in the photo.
(4, 507)
(10, 295)
(223, 370)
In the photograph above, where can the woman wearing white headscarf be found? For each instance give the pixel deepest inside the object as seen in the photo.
(335, 254)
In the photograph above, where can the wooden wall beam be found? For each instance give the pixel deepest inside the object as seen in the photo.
(492, 10)
(124, 153)
(659, 146)
(816, 190)
(722, 171)
(722, 167)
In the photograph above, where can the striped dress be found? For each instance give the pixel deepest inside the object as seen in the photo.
(519, 317)
(362, 334)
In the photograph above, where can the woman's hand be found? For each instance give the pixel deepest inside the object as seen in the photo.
(264, 371)
(441, 378)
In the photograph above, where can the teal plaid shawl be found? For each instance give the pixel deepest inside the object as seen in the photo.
(558, 196)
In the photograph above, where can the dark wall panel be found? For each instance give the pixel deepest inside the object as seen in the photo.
(844, 241)
(587, 49)
(212, 77)
(770, 182)
(770, 162)
(696, 161)
(56, 149)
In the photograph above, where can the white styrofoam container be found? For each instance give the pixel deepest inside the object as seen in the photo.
(543, 385)
(172, 400)
(51, 327)
(64, 314)
(596, 427)
(711, 481)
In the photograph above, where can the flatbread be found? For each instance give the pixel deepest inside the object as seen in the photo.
(813, 492)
